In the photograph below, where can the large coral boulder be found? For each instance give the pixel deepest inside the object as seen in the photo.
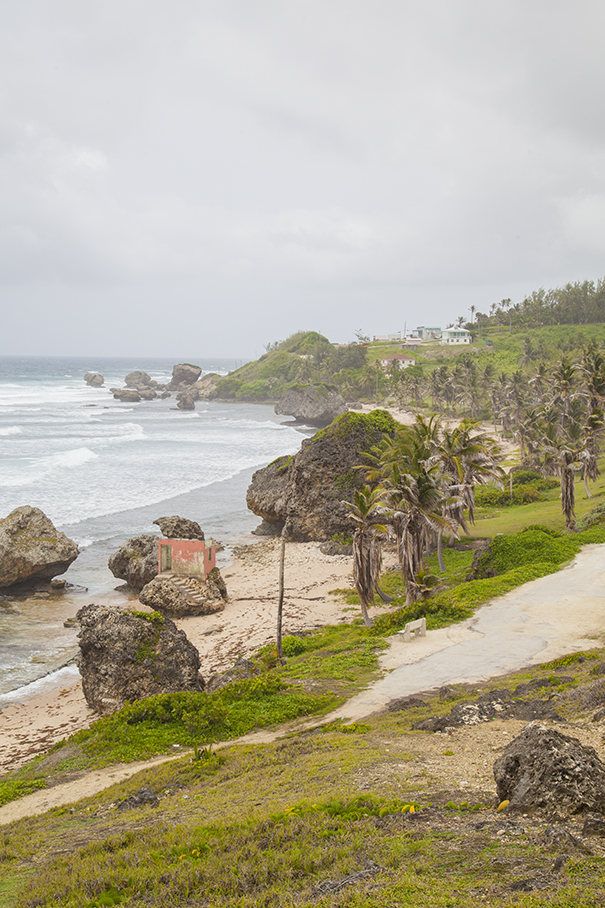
(314, 405)
(129, 656)
(545, 772)
(182, 596)
(176, 527)
(136, 561)
(183, 374)
(309, 488)
(31, 548)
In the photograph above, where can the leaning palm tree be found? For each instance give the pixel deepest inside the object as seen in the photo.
(367, 510)
(418, 506)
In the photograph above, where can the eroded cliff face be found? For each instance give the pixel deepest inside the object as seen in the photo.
(308, 489)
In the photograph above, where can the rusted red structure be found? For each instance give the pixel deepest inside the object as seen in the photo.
(186, 557)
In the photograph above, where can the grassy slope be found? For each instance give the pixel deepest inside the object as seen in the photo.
(287, 823)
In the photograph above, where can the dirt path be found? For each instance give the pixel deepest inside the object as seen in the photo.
(542, 620)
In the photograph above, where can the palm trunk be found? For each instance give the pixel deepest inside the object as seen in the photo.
(440, 550)
(280, 601)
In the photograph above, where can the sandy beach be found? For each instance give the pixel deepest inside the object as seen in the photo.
(247, 623)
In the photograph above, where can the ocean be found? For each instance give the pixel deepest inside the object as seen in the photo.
(102, 471)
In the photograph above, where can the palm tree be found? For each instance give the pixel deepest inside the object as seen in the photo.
(367, 552)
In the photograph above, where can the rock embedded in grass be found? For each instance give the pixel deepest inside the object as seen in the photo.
(129, 656)
(545, 772)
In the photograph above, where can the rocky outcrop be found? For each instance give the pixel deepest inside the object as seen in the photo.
(243, 670)
(94, 379)
(494, 704)
(186, 399)
(206, 386)
(132, 655)
(139, 379)
(136, 561)
(314, 405)
(309, 488)
(126, 395)
(183, 374)
(545, 772)
(176, 527)
(31, 548)
(181, 596)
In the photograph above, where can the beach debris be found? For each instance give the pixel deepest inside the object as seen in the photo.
(181, 596)
(94, 379)
(31, 548)
(545, 772)
(136, 561)
(132, 655)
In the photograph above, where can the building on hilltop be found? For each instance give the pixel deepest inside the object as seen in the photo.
(402, 361)
(456, 336)
(428, 332)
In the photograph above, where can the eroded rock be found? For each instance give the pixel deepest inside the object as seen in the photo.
(314, 406)
(182, 596)
(129, 656)
(94, 379)
(31, 548)
(310, 488)
(136, 561)
(183, 374)
(543, 771)
(176, 527)
(126, 395)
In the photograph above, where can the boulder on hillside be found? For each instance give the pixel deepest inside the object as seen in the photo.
(130, 656)
(139, 379)
(176, 527)
(545, 772)
(136, 561)
(314, 406)
(126, 395)
(94, 379)
(183, 374)
(180, 597)
(31, 548)
(310, 487)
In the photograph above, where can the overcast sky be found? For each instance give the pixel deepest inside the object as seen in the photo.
(200, 177)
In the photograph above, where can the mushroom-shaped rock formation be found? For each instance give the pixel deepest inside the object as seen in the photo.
(176, 527)
(315, 405)
(31, 548)
(183, 374)
(136, 561)
(129, 656)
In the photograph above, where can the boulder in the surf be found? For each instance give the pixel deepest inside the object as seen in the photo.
(136, 561)
(31, 548)
(182, 596)
(132, 655)
(94, 379)
(183, 374)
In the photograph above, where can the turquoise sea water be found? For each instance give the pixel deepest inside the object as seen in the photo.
(103, 470)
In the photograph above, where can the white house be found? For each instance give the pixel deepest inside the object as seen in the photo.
(456, 336)
(402, 361)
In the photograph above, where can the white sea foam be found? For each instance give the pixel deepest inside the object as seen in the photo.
(74, 458)
(11, 430)
(63, 676)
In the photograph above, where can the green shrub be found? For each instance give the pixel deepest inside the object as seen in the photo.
(11, 790)
(292, 646)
